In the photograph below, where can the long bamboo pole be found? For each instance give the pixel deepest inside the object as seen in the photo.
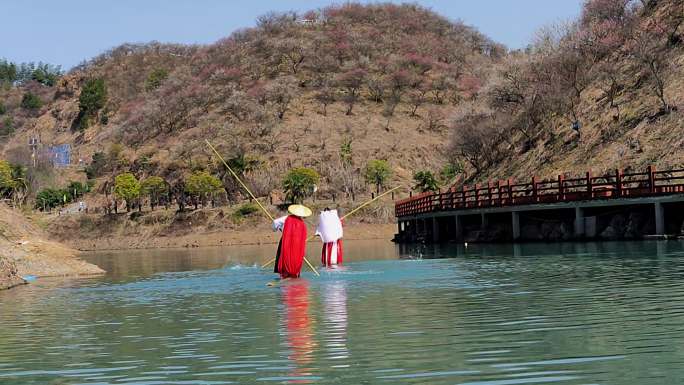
(252, 195)
(345, 216)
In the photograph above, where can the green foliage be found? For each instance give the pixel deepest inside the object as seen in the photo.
(127, 187)
(31, 101)
(154, 187)
(97, 166)
(3, 109)
(242, 163)
(46, 74)
(93, 98)
(201, 183)
(156, 78)
(377, 172)
(300, 183)
(7, 126)
(77, 189)
(49, 198)
(346, 155)
(450, 171)
(8, 72)
(6, 180)
(13, 183)
(245, 210)
(425, 181)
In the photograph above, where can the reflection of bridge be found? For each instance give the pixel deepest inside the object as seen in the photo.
(613, 206)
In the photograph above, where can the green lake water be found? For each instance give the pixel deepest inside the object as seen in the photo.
(594, 313)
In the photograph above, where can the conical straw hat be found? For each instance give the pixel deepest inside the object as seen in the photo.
(299, 210)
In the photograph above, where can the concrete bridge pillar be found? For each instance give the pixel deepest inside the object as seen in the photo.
(458, 228)
(515, 217)
(483, 221)
(579, 222)
(659, 218)
(435, 230)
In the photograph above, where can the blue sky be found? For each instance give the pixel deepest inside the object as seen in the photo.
(69, 31)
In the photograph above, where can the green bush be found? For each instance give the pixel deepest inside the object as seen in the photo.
(425, 181)
(93, 98)
(49, 198)
(77, 189)
(7, 126)
(245, 210)
(201, 183)
(450, 171)
(155, 79)
(377, 172)
(8, 72)
(154, 187)
(300, 183)
(3, 109)
(97, 166)
(31, 101)
(46, 74)
(127, 187)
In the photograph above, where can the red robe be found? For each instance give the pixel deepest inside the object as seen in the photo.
(292, 248)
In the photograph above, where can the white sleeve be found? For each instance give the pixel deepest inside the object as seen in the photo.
(279, 223)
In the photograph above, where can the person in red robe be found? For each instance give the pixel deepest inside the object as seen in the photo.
(292, 246)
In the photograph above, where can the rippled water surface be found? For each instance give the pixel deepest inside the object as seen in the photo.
(608, 313)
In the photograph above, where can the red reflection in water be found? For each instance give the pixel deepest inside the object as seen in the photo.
(298, 327)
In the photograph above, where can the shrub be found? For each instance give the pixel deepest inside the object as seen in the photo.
(202, 184)
(77, 189)
(377, 172)
(154, 187)
(46, 74)
(6, 180)
(3, 109)
(93, 98)
(7, 126)
(31, 101)
(8, 72)
(450, 171)
(127, 187)
(245, 210)
(49, 198)
(97, 166)
(299, 183)
(155, 79)
(425, 181)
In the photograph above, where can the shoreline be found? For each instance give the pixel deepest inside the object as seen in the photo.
(197, 239)
(25, 250)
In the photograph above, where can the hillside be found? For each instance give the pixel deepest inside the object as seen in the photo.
(290, 92)
(334, 88)
(598, 94)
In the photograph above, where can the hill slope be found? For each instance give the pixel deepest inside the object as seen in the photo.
(290, 92)
(395, 82)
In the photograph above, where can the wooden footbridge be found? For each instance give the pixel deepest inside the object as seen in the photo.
(651, 202)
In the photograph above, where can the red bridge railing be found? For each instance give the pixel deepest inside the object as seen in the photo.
(508, 193)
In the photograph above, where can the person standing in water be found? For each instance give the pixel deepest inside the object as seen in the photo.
(330, 230)
(292, 246)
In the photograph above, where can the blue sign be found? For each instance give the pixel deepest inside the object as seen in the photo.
(60, 155)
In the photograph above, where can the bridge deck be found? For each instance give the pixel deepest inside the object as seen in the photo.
(619, 187)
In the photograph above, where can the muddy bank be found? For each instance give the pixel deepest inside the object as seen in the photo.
(25, 250)
(9, 276)
(258, 235)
